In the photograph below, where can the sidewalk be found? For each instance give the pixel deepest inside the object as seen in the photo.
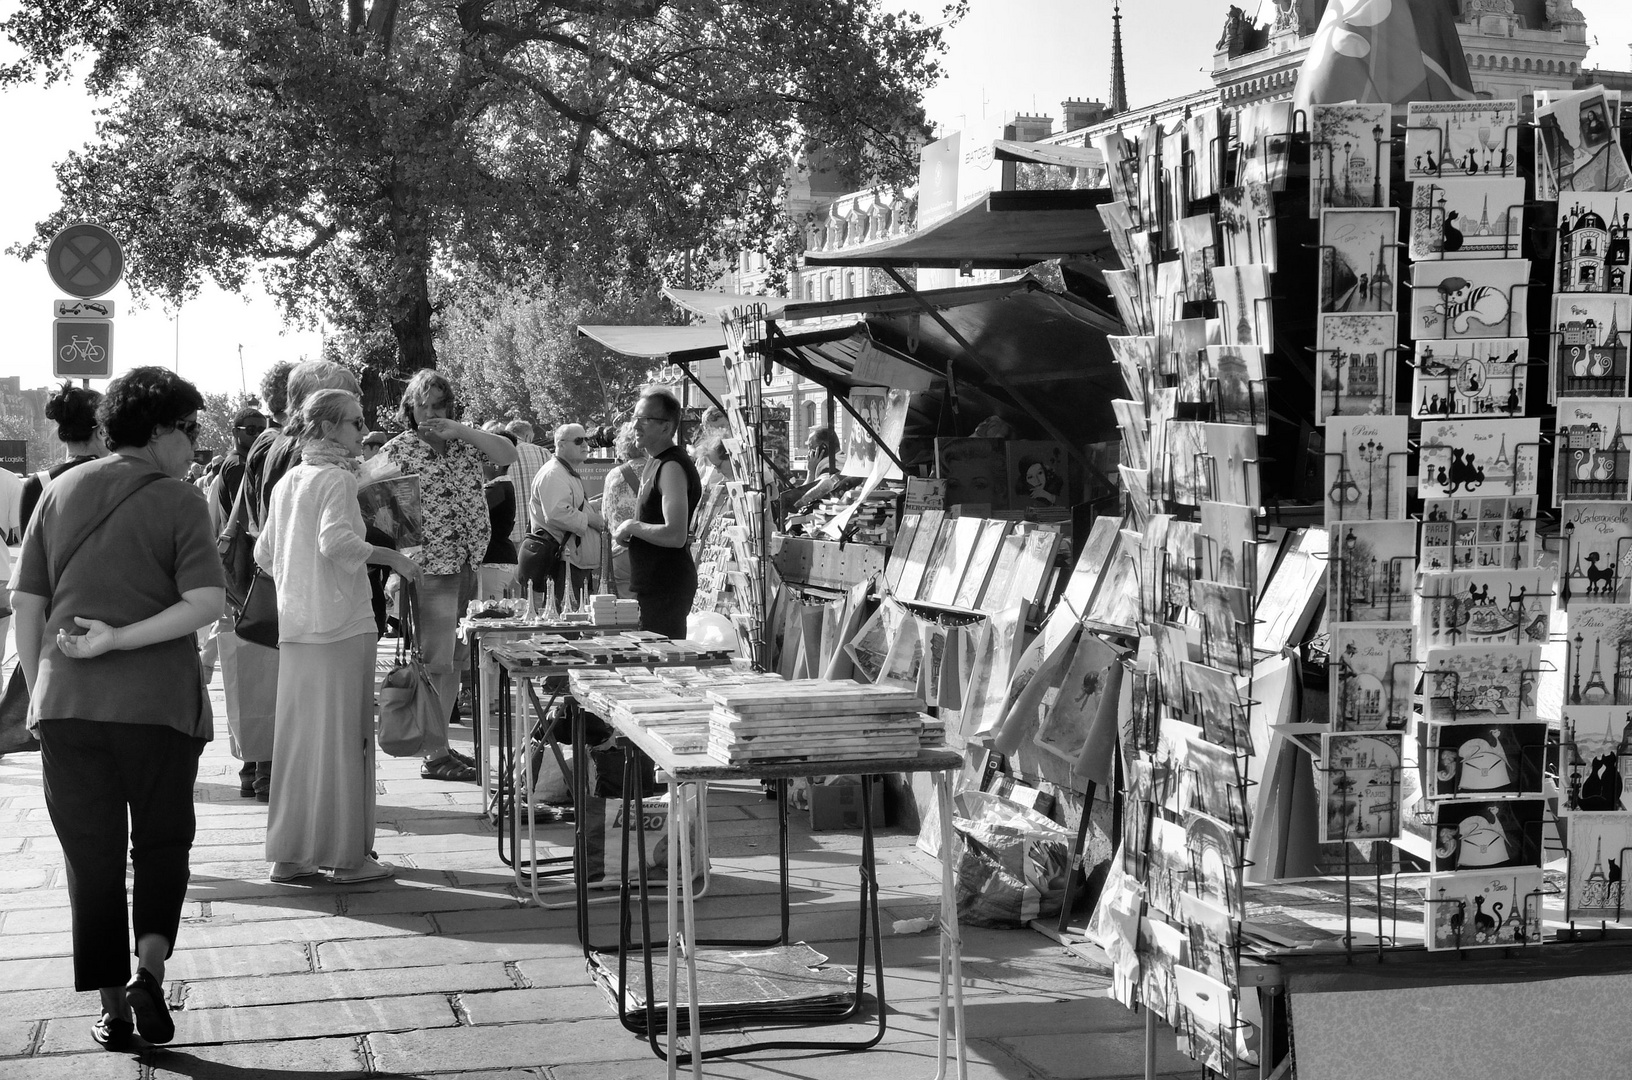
(445, 973)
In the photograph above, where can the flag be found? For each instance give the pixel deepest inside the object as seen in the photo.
(1384, 50)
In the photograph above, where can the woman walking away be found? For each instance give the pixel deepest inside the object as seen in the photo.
(661, 572)
(118, 570)
(322, 813)
(74, 410)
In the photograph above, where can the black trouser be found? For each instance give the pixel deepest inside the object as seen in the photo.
(665, 613)
(94, 771)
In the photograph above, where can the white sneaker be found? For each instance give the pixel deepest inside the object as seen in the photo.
(371, 870)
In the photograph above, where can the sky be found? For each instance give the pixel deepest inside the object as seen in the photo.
(1006, 56)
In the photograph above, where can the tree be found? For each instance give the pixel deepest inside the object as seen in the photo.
(517, 354)
(350, 151)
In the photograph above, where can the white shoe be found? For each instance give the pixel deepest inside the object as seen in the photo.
(371, 870)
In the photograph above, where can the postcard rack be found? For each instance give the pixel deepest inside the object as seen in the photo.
(743, 329)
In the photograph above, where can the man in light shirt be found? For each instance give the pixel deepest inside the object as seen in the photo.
(560, 506)
(530, 459)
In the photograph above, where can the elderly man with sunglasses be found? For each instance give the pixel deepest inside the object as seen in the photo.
(558, 505)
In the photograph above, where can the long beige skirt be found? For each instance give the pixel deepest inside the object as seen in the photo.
(322, 810)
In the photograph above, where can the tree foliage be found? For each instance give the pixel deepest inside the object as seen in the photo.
(516, 354)
(353, 151)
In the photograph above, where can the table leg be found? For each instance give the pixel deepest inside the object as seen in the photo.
(671, 931)
(951, 941)
(479, 706)
(680, 841)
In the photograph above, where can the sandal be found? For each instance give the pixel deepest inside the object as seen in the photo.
(112, 1033)
(463, 759)
(448, 768)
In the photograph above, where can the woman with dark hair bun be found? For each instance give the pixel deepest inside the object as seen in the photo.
(118, 570)
(74, 410)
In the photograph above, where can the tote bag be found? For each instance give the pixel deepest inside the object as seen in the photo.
(409, 708)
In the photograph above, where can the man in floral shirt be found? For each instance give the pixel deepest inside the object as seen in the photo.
(447, 456)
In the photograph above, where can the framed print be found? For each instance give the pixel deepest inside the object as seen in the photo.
(1356, 358)
(1487, 835)
(1472, 298)
(1372, 570)
(1599, 844)
(1594, 248)
(1591, 456)
(1468, 218)
(1350, 150)
(1373, 676)
(1360, 785)
(1595, 553)
(1504, 606)
(1482, 911)
(1472, 378)
(1589, 344)
(1359, 260)
(1474, 533)
(976, 473)
(1366, 467)
(1479, 761)
(1461, 138)
(1485, 685)
(1039, 474)
(1487, 457)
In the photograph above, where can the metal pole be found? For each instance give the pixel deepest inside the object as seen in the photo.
(243, 381)
(176, 363)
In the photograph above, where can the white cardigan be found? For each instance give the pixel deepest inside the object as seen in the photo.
(313, 546)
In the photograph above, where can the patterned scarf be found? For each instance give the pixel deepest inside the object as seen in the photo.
(329, 452)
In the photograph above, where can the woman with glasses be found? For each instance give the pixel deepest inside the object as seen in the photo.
(661, 573)
(314, 547)
(118, 570)
(447, 457)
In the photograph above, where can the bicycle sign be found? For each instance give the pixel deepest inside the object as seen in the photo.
(82, 348)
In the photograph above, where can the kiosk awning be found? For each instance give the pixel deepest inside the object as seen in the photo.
(1008, 230)
(676, 344)
(1075, 157)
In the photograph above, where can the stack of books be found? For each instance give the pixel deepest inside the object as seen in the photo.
(813, 719)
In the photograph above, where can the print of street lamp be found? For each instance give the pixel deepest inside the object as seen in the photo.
(1369, 451)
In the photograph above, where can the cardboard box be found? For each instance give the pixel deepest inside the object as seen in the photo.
(838, 806)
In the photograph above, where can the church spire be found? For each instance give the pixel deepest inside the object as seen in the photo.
(1119, 83)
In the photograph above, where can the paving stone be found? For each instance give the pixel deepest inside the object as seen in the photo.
(99, 1065)
(19, 946)
(884, 1062)
(300, 1059)
(189, 964)
(32, 900)
(329, 928)
(12, 845)
(560, 971)
(460, 923)
(580, 1002)
(18, 878)
(17, 1035)
(29, 1005)
(1092, 1055)
(505, 1046)
(299, 904)
(337, 985)
(435, 899)
(36, 973)
(474, 948)
(305, 1020)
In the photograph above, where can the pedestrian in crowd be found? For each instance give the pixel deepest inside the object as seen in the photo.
(661, 573)
(313, 545)
(716, 463)
(247, 426)
(822, 474)
(118, 570)
(275, 392)
(447, 456)
(498, 570)
(530, 459)
(560, 506)
(618, 503)
(372, 444)
(74, 410)
(250, 671)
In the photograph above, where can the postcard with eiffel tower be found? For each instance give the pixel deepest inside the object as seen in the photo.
(1482, 911)
(1484, 457)
(1366, 467)
(1461, 138)
(1591, 450)
(1360, 785)
(1589, 344)
(1474, 533)
(1359, 259)
(1511, 606)
(1600, 844)
(1597, 718)
(1476, 377)
(1595, 553)
(1594, 243)
(1474, 218)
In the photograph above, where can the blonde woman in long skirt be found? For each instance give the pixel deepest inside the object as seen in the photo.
(322, 809)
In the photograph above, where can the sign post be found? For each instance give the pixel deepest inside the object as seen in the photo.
(85, 261)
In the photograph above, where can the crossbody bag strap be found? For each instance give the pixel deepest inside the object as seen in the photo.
(60, 563)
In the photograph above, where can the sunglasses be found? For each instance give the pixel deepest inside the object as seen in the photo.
(582, 440)
(639, 419)
(189, 428)
(358, 423)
